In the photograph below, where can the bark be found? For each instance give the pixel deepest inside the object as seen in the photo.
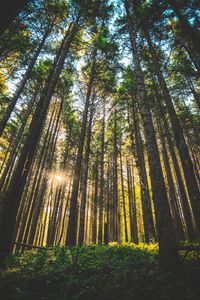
(173, 201)
(23, 82)
(7, 153)
(29, 223)
(116, 202)
(123, 196)
(166, 237)
(186, 161)
(194, 92)
(183, 195)
(18, 180)
(85, 177)
(52, 221)
(108, 197)
(101, 192)
(47, 153)
(73, 220)
(64, 214)
(132, 204)
(15, 146)
(87, 227)
(94, 226)
(111, 202)
(148, 222)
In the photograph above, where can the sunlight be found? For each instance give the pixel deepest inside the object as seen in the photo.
(59, 178)
(99, 149)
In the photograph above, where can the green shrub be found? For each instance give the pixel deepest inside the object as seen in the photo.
(126, 271)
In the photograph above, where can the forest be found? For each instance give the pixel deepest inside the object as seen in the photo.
(99, 149)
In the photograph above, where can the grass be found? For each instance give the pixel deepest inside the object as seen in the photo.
(98, 273)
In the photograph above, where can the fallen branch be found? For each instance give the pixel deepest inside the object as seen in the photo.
(30, 246)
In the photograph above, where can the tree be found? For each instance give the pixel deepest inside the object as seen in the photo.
(166, 238)
(9, 12)
(15, 189)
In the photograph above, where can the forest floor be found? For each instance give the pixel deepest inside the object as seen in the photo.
(98, 273)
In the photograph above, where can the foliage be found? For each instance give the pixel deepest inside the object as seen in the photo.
(125, 271)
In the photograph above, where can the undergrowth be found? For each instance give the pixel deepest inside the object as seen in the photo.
(97, 273)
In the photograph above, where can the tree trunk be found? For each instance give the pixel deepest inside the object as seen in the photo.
(73, 220)
(123, 196)
(189, 174)
(23, 82)
(101, 192)
(95, 200)
(15, 147)
(132, 204)
(173, 201)
(116, 201)
(148, 222)
(166, 237)
(18, 180)
(183, 195)
(85, 177)
(194, 92)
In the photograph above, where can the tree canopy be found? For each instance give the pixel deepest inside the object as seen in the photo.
(99, 124)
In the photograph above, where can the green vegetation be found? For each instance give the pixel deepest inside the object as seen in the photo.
(99, 149)
(99, 272)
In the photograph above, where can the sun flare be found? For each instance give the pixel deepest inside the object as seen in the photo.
(59, 178)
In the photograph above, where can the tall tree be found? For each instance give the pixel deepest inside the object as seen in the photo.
(166, 238)
(17, 182)
(190, 178)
